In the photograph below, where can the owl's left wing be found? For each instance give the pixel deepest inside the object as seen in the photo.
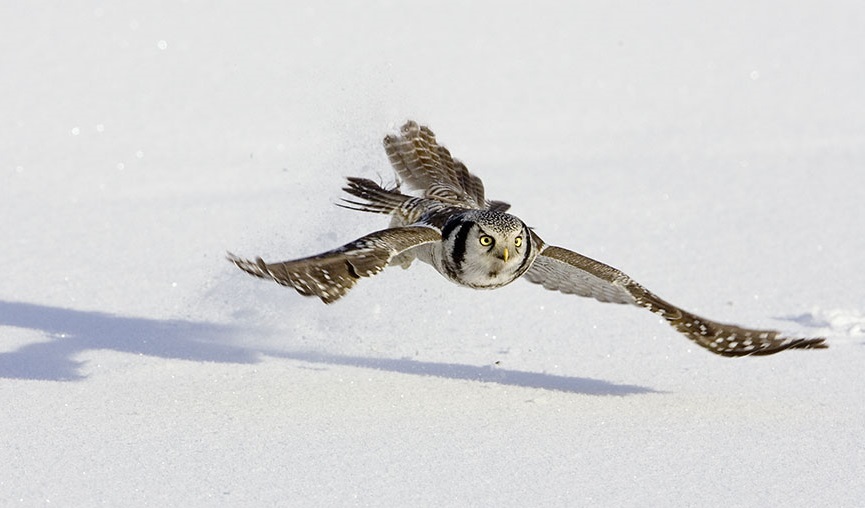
(563, 270)
(423, 164)
(332, 274)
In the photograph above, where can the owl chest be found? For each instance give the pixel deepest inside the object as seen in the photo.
(473, 272)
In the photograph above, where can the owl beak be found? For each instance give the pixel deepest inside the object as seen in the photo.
(505, 254)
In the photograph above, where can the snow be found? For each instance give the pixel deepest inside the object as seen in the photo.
(712, 151)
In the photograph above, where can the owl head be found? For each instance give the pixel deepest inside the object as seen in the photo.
(485, 248)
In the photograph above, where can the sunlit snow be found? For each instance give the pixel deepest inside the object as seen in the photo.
(713, 151)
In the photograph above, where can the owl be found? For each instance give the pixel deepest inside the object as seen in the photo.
(446, 221)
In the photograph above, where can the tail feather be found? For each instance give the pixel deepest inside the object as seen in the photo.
(375, 198)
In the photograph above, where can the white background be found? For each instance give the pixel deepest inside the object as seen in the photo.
(713, 151)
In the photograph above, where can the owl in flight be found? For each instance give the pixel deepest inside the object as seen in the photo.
(473, 242)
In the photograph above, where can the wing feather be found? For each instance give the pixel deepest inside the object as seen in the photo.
(332, 274)
(423, 164)
(563, 270)
(571, 273)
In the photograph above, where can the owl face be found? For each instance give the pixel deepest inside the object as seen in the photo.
(485, 249)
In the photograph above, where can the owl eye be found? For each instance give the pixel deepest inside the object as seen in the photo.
(486, 240)
(518, 241)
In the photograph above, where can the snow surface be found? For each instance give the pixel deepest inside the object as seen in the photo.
(712, 150)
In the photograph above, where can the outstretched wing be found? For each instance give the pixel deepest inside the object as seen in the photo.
(330, 275)
(422, 164)
(566, 271)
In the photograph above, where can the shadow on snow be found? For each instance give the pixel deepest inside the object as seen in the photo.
(73, 332)
(483, 374)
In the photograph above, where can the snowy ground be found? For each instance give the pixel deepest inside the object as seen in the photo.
(712, 151)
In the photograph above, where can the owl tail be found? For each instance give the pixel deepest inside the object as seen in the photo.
(376, 199)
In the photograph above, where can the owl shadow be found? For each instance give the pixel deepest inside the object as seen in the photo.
(73, 332)
(481, 374)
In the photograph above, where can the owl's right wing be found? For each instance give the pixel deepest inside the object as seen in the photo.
(563, 270)
(332, 274)
(423, 164)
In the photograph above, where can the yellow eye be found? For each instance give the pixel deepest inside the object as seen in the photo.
(518, 241)
(486, 240)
